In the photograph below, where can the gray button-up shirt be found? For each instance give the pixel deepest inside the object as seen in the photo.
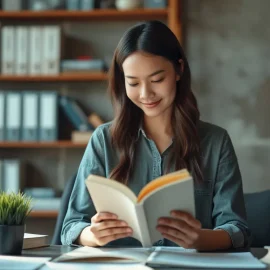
(218, 199)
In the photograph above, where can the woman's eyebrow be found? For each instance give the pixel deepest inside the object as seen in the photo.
(152, 74)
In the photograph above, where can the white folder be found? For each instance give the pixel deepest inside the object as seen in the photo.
(1, 176)
(8, 50)
(48, 119)
(36, 49)
(13, 116)
(30, 113)
(51, 50)
(21, 50)
(13, 175)
(2, 116)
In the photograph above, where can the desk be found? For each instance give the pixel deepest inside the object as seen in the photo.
(55, 251)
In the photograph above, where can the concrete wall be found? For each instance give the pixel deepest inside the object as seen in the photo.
(227, 43)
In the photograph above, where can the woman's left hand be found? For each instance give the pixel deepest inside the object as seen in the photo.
(181, 228)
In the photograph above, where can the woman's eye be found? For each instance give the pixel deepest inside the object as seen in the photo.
(157, 81)
(133, 84)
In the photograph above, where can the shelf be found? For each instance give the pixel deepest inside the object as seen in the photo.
(98, 14)
(64, 77)
(57, 144)
(43, 214)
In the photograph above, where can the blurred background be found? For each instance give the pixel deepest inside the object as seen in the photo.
(54, 58)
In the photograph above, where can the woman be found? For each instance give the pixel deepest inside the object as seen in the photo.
(156, 129)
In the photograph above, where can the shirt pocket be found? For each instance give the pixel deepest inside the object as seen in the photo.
(203, 203)
(204, 188)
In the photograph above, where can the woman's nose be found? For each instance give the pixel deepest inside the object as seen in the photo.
(146, 92)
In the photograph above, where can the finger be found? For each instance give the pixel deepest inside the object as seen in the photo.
(176, 241)
(113, 231)
(174, 233)
(104, 240)
(179, 225)
(111, 224)
(103, 216)
(188, 218)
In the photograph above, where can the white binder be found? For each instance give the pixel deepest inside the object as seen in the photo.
(2, 116)
(36, 48)
(21, 50)
(51, 50)
(13, 116)
(48, 120)
(13, 175)
(1, 176)
(8, 50)
(30, 112)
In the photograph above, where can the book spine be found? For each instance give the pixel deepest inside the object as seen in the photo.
(8, 50)
(35, 41)
(73, 4)
(12, 5)
(143, 227)
(2, 115)
(21, 50)
(87, 4)
(92, 65)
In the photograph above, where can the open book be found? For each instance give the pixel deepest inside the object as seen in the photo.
(163, 256)
(173, 191)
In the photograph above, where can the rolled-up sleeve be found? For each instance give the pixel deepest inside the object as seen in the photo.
(80, 208)
(229, 212)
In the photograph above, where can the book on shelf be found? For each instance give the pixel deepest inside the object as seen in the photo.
(7, 50)
(95, 120)
(162, 257)
(12, 175)
(46, 204)
(75, 114)
(173, 191)
(91, 65)
(81, 136)
(31, 240)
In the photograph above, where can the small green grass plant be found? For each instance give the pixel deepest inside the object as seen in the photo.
(14, 208)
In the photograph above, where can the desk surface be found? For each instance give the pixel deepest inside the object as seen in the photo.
(55, 251)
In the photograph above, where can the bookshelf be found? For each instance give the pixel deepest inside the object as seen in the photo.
(171, 15)
(57, 144)
(98, 14)
(43, 214)
(64, 77)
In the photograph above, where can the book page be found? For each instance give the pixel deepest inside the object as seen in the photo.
(162, 181)
(92, 254)
(174, 196)
(113, 184)
(180, 258)
(107, 198)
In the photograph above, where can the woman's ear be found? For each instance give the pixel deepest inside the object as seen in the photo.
(180, 69)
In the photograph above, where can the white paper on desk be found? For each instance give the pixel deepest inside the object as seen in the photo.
(173, 257)
(22, 263)
(96, 266)
(91, 254)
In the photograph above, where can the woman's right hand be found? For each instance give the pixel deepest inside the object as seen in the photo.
(105, 227)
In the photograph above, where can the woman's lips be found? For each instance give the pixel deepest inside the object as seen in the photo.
(151, 105)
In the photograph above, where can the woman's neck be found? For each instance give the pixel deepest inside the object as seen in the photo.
(158, 127)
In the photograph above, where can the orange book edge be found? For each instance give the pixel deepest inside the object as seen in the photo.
(162, 181)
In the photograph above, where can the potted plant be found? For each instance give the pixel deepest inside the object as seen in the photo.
(14, 208)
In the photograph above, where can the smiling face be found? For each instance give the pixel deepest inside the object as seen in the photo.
(150, 82)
